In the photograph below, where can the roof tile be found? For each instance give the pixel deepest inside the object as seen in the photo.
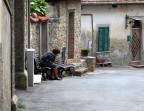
(112, 1)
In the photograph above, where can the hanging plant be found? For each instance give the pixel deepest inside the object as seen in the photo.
(39, 7)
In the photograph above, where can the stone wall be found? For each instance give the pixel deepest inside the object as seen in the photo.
(1, 66)
(26, 28)
(58, 29)
(21, 33)
(120, 51)
(63, 27)
(53, 28)
(142, 55)
(114, 18)
(1, 79)
(6, 54)
(35, 37)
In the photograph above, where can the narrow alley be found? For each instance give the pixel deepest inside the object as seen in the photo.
(106, 89)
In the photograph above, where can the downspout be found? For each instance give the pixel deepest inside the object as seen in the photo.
(91, 15)
(66, 31)
(28, 23)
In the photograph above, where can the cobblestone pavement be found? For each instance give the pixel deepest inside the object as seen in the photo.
(106, 89)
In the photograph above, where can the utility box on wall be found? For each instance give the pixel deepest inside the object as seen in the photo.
(90, 44)
(128, 38)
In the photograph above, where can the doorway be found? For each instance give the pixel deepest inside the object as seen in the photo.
(103, 39)
(71, 36)
(136, 41)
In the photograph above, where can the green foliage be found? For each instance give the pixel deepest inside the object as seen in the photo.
(86, 49)
(38, 6)
(21, 105)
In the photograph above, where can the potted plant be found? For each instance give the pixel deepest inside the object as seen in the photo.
(85, 51)
(38, 9)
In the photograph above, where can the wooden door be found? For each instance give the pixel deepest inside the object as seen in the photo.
(135, 43)
(103, 39)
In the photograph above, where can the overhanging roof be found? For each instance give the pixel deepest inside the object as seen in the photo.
(106, 2)
(136, 17)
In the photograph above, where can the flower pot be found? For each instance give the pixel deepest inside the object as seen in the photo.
(84, 53)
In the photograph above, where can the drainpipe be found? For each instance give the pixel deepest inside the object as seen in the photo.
(91, 15)
(28, 23)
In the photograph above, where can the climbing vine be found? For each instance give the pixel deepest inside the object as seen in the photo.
(39, 7)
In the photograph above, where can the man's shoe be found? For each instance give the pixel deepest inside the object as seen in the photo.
(57, 78)
(44, 79)
(51, 78)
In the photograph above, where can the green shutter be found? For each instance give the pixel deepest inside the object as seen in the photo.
(103, 39)
(100, 40)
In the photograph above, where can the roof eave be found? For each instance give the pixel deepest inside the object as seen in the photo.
(98, 4)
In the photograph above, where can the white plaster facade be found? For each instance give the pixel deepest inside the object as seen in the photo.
(114, 18)
(0, 18)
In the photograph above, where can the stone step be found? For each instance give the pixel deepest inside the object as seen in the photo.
(79, 68)
(76, 65)
(80, 71)
(83, 63)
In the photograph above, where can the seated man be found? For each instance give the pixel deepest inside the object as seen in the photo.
(48, 59)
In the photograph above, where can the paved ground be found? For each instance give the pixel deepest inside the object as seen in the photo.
(107, 89)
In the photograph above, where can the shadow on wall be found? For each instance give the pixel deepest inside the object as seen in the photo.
(120, 58)
(0, 51)
(83, 40)
(142, 55)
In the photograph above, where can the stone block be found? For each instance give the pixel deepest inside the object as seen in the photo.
(22, 80)
(80, 71)
(91, 62)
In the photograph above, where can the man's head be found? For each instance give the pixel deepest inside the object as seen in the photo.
(56, 51)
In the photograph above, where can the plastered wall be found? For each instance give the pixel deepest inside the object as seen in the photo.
(5, 58)
(114, 18)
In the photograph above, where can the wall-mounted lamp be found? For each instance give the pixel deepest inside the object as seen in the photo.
(128, 20)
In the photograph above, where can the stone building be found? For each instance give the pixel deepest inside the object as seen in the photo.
(115, 26)
(13, 22)
(61, 30)
(6, 55)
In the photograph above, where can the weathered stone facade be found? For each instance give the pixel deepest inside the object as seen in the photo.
(115, 19)
(35, 37)
(21, 33)
(120, 49)
(7, 67)
(91, 63)
(53, 25)
(58, 29)
(13, 25)
(26, 22)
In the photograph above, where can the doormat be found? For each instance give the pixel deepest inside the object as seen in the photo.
(137, 64)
